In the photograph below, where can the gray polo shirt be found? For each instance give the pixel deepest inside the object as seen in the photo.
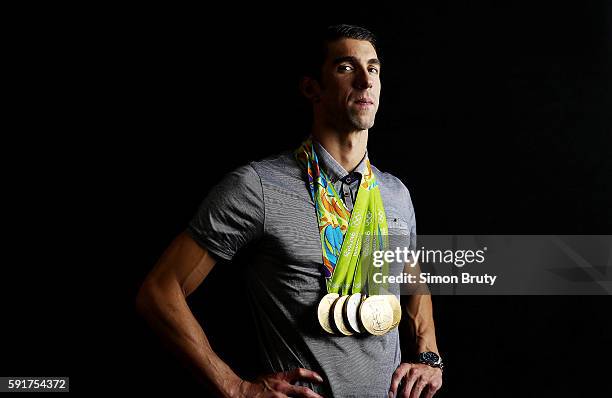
(267, 205)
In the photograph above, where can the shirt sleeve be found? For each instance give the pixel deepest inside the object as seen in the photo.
(231, 215)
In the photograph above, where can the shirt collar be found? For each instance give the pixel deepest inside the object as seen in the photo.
(332, 168)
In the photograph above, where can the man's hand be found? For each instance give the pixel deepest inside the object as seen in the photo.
(416, 378)
(280, 385)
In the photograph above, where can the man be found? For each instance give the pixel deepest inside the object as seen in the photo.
(269, 206)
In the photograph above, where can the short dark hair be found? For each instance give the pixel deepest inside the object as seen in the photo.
(316, 49)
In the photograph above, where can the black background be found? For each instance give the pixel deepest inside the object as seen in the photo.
(497, 118)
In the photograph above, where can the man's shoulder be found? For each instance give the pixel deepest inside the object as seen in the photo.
(277, 167)
(390, 182)
(267, 168)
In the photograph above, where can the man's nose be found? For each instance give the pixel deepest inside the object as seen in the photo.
(363, 80)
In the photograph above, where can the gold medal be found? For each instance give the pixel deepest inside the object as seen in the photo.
(351, 313)
(338, 318)
(397, 310)
(376, 315)
(323, 311)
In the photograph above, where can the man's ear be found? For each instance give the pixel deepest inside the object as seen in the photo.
(310, 88)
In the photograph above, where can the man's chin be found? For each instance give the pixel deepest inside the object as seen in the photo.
(362, 124)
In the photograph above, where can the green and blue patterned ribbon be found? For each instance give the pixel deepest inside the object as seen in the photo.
(348, 238)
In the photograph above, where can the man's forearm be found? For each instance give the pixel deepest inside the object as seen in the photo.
(420, 321)
(166, 309)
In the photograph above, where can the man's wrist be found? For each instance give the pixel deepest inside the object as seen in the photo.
(430, 358)
(236, 388)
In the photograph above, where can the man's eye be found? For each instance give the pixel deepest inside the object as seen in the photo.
(373, 70)
(345, 68)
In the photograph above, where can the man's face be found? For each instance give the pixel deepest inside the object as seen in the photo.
(350, 85)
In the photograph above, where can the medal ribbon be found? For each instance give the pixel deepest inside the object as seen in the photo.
(348, 239)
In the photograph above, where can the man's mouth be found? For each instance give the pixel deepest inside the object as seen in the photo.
(364, 102)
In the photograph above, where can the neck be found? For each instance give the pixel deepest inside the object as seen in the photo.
(348, 148)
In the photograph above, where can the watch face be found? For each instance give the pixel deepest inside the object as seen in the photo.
(430, 357)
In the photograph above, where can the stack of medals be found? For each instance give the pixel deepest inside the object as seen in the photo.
(348, 241)
(356, 313)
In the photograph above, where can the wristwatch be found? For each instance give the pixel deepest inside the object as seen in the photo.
(431, 358)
